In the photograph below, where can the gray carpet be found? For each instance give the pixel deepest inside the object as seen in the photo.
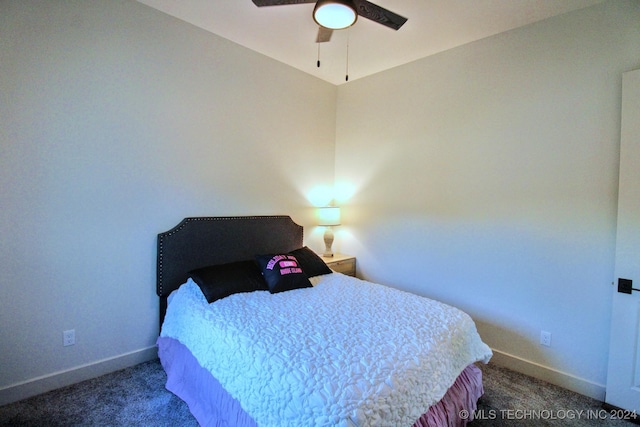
(130, 397)
(136, 397)
(513, 399)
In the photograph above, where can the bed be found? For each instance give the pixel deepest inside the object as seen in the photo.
(300, 345)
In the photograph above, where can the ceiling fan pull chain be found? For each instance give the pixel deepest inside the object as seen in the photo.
(318, 55)
(346, 77)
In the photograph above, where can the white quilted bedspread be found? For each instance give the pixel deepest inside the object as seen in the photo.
(343, 353)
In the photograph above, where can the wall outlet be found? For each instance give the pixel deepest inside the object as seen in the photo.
(545, 338)
(69, 337)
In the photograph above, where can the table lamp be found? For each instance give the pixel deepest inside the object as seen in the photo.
(329, 216)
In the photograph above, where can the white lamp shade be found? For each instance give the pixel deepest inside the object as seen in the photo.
(329, 215)
(335, 14)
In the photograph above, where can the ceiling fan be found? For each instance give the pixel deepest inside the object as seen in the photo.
(339, 14)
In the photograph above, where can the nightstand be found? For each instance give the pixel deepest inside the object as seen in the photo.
(345, 264)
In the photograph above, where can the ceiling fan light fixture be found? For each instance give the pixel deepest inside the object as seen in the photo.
(335, 14)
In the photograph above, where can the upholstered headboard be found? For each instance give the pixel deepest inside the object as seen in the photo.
(200, 241)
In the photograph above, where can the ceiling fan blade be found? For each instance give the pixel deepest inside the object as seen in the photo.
(324, 34)
(378, 14)
(261, 3)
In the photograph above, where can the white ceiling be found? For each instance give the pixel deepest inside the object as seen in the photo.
(287, 33)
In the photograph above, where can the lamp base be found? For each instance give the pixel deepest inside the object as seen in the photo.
(328, 241)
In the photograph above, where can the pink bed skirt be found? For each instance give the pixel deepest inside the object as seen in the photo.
(212, 406)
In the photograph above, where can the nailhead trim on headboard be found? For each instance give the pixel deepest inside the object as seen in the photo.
(212, 240)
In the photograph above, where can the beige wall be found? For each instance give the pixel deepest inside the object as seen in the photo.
(486, 177)
(116, 121)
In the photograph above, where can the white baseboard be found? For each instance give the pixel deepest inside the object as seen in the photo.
(561, 379)
(56, 380)
(49, 382)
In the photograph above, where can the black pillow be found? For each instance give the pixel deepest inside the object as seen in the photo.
(222, 280)
(311, 263)
(282, 272)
